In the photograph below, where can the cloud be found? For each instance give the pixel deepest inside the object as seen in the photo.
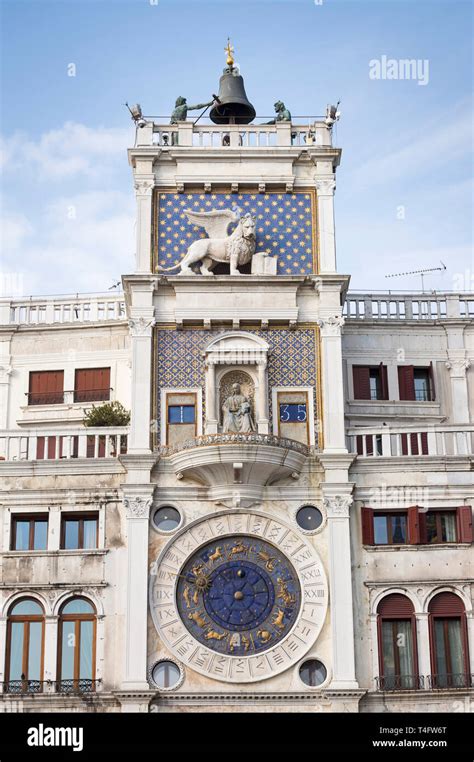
(72, 150)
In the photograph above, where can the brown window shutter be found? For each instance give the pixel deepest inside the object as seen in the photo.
(432, 383)
(369, 445)
(424, 443)
(445, 604)
(91, 384)
(404, 440)
(413, 525)
(383, 381)
(359, 445)
(361, 376)
(367, 515)
(422, 526)
(394, 605)
(464, 523)
(406, 382)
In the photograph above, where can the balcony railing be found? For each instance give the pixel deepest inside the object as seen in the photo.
(420, 682)
(399, 682)
(395, 441)
(209, 440)
(410, 306)
(44, 310)
(28, 687)
(66, 397)
(63, 443)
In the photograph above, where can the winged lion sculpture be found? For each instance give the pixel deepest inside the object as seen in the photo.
(237, 248)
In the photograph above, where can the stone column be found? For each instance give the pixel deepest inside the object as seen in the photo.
(211, 413)
(3, 644)
(144, 184)
(327, 243)
(340, 581)
(332, 384)
(141, 330)
(137, 502)
(423, 644)
(459, 392)
(262, 412)
(5, 373)
(50, 648)
(470, 638)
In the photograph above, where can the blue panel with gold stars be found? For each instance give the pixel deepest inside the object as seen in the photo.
(238, 595)
(285, 225)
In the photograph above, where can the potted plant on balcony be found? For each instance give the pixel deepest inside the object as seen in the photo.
(108, 414)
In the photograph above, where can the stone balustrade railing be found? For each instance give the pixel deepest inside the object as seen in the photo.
(62, 443)
(409, 306)
(187, 134)
(48, 310)
(395, 441)
(210, 440)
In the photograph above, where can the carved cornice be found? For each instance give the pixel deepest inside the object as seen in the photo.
(458, 368)
(331, 326)
(137, 507)
(338, 506)
(141, 326)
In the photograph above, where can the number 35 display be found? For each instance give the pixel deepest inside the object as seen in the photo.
(291, 413)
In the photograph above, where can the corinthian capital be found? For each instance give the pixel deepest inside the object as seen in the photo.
(325, 185)
(141, 326)
(144, 186)
(337, 506)
(458, 368)
(331, 326)
(137, 507)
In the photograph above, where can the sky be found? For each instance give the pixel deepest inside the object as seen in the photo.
(404, 193)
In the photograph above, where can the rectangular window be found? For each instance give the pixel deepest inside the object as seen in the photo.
(92, 385)
(181, 414)
(416, 383)
(46, 387)
(79, 531)
(440, 527)
(29, 533)
(390, 529)
(398, 664)
(293, 413)
(370, 382)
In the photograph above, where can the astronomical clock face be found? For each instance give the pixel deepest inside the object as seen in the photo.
(238, 597)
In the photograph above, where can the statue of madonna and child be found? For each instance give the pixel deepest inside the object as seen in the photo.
(237, 413)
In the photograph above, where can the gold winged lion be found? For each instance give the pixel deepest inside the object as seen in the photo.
(237, 248)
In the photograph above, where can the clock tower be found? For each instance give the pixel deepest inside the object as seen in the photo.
(236, 494)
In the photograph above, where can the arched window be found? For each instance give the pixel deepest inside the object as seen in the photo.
(76, 654)
(449, 645)
(25, 647)
(397, 643)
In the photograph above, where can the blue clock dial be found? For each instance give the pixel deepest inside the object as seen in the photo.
(238, 595)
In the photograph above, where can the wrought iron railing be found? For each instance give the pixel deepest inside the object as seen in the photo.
(24, 686)
(76, 686)
(400, 682)
(456, 680)
(209, 440)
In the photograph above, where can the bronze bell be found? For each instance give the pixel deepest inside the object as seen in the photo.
(233, 106)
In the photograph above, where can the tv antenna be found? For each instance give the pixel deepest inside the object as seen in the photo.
(421, 273)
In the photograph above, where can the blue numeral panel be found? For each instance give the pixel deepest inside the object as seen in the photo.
(292, 413)
(181, 414)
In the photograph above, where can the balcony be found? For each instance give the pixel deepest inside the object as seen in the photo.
(421, 306)
(30, 687)
(396, 441)
(63, 443)
(68, 397)
(419, 682)
(237, 467)
(44, 310)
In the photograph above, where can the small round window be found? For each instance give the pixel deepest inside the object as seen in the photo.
(313, 673)
(166, 518)
(166, 674)
(309, 518)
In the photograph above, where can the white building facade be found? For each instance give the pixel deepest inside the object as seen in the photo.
(286, 523)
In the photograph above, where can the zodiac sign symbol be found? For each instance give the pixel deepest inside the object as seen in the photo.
(283, 593)
(246, 643)
(196, 570)
(264, 635)
(213, 635)
(198, 619)
(186, 597)
(195, 596)
(217, 554)
(278, 621)
(239, 548)
(269, 560)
